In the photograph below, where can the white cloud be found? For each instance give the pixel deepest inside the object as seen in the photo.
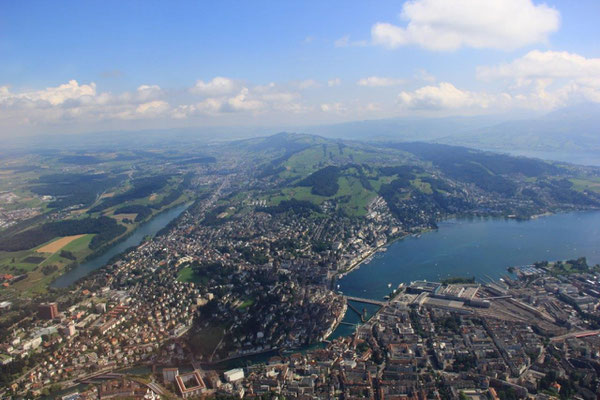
(250, 100)
(334, 82)
(378, 81)
(152, 107)
(549, 64)
(78, 102)
(243, 102)
(449, 25)
(217, 86)
(52, 96)
(549, 79)
(444, 96)
(147, 92)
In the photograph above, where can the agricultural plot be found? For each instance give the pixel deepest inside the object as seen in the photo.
(58, 244)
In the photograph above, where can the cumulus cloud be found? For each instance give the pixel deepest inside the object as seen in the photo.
(243, 102)
(148, 92)
(551, 78)
(378, 81)
(449, 25)
(52, 95)
(74, 101)
(217, 86)
(444, 96)
(152, 107)
(546, 64)
(250, 100)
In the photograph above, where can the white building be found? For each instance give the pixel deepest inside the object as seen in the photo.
(234, 375)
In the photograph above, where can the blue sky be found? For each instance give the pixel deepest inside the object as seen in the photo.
(81, 66)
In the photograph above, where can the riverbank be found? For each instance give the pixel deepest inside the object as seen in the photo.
(336, 323)
(148, 228)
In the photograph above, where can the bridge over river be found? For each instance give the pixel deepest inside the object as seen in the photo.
(366, 301)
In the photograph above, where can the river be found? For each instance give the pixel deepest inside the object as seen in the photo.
(479, 247)
(149, 228)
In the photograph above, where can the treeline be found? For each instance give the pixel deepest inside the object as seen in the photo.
(299, 207)
(142, 211)
(403, 171)
(445, 155)
(142, 187)
(196, 160)
(413, 207)
(562, 192)
(480, 168)
(212, 217)
(168, 199)
(105, 229)
(361, 173)
(324, 182)
(73, 189)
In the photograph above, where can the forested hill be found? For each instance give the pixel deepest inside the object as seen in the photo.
(419, 181)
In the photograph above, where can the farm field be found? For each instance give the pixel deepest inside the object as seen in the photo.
(70, 206)
(586, 184)
(58, 244)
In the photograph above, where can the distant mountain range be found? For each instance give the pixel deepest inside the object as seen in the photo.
(568, 129)
(570, 134)
(563, 134)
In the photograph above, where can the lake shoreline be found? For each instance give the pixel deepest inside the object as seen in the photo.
(505, 226)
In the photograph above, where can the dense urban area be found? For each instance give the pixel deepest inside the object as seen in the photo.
(237, 297)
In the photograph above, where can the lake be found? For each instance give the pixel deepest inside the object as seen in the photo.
(573, 157)
(479, 247)
(149, 228)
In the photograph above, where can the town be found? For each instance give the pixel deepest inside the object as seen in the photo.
(238, 296)
(239, 279)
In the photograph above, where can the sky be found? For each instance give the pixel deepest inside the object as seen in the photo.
(82, 66)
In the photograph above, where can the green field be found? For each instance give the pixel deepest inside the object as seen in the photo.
(27, 179)
(37, 281)
(353, 198)
(422, 186)
(188, 275)
(589, 184)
